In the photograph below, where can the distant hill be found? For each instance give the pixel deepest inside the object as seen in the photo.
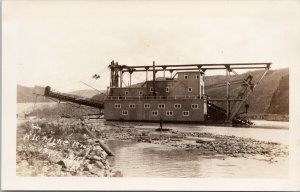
(100, 97)
(280, 101)
(25, 95)
(89, 93)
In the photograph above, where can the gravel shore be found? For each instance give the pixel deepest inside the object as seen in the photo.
(48, 148)
(61, 147)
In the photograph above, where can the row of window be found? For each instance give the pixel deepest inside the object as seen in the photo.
(167, 88)
(160, 106)
(151, 89)
(186, 76)
(140, 93)
(155, 113)
(190, 89)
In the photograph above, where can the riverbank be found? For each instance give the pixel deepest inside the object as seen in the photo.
(36, 157)
(205, 143)
(59, 148)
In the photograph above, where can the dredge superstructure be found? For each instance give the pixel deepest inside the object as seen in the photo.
(180, 97)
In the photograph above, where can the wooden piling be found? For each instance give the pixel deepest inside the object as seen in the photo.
(102, 145)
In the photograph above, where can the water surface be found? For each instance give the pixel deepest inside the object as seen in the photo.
(152, 160)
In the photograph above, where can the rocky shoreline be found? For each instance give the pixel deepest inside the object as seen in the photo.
(204, 143)
(77, 154)
(51, 149)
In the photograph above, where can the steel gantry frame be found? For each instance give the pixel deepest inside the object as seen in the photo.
(228, 67)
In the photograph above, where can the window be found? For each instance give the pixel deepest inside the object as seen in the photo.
(185, 76)
(169, 113)
(195, 106)
(189, 89)
(154, 113)
(146, 105)
(131, 105)
(177, 106)
(161, 106)
(151, 89)
(124, 112)
(197, 76)
(140, 92)
(185, 113)
(167, 89)
(126, 92)
(117, 105)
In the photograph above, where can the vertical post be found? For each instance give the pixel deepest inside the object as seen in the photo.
(121, 78)
(154, 90)
(203, 85)
(227, 92)
(164, 68)
(200, 91)
(147, 68)
(117, 75)
(130, 72)
(111, 66)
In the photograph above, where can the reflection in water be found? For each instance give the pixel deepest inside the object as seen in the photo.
(150, 160)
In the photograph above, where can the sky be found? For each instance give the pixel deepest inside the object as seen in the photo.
(60, 43)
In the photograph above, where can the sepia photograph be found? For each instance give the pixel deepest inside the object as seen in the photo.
(150, 95)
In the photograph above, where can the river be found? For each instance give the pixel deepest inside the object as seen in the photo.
(152, 160)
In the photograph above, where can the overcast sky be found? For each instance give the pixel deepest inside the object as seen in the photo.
(60, 43)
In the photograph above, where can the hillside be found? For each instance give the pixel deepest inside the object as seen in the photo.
(24, 95)
(260, 99)
(280, 100)
(85, 93)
